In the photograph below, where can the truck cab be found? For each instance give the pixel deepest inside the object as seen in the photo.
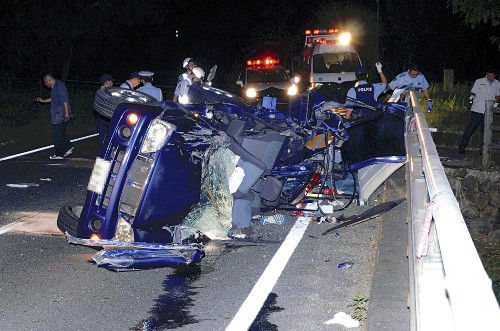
(266, 77)
(330, 61)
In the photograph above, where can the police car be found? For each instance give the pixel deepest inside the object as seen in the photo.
(266, 77)
(331, 61)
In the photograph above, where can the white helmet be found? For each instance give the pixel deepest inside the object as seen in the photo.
(186, 62)
(198, 72)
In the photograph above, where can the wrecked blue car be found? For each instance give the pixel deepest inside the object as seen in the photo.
(162, 164)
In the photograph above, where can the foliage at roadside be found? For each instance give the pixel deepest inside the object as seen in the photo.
(360, 306)
(19, 108)
(451, 107)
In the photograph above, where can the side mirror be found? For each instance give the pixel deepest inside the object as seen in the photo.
(239, 82)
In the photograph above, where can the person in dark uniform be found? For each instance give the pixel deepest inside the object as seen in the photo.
(364, 92)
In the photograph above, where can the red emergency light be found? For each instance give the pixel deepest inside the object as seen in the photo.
(318, 31)
(268, 61)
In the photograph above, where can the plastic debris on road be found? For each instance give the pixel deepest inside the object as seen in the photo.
(304, 213)
(22, 185)
(118, 255)
(345, 265)
(343, 319)
(273, 219)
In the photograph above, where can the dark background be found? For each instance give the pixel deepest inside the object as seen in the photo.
(81, 39)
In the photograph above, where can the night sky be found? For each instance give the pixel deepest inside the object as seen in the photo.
(83, 39)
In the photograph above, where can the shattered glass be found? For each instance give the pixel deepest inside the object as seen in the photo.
(212, 214)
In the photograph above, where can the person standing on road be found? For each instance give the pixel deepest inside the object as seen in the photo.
(417, 80)
(132, 82)
(146, 78)
(185, 78)
(60, 116)
(484, 89)
(364, 92)
(102, 122)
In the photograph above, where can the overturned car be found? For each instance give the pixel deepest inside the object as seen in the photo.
(161, 164)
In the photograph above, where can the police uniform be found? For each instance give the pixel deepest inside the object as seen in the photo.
(148, 88)
(403, 79)
(366, 93)
(128, 85)
(482, 90)
(182, 87)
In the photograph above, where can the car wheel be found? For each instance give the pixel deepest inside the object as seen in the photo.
(68, 218)
(108, 99)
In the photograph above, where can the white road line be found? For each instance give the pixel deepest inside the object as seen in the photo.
(44, 148)
(8, 227)
(255, 300)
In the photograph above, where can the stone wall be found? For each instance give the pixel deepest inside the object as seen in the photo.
(478, 193)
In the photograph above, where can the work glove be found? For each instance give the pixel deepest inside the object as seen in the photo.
(429, 105)
(379, 67)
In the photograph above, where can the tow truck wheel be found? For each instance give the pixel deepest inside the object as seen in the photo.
(68, 218)
(108, 99)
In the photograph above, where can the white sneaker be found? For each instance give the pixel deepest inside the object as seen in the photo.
(56, 157)
(69, 151)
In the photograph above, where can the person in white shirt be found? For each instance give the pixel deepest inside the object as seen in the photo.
(486, 88)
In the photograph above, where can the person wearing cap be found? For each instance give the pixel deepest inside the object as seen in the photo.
(365, 92)
(484, 89)
(106, 80)
(417, 80)
(132, 82)
(146, 78)
(185, 79)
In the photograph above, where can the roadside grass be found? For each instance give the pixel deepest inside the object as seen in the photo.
(451, 107)
(25, 123)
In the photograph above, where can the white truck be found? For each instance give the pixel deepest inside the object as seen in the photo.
(330, 60)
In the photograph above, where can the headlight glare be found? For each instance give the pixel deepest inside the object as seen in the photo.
(292, 90)
(251, 92)
(158, 133)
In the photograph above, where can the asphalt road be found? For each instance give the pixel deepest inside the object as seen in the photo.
(48, 284)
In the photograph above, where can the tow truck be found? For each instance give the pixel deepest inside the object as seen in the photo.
(265, 76)
(331, 61)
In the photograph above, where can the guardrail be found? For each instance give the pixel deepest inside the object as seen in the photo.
(449, 288)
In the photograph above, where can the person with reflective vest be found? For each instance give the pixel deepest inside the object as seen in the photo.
(195, 77)
(185, 78)
(365, 92)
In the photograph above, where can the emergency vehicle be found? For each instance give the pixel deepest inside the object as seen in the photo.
(330, 60)
(265, 76)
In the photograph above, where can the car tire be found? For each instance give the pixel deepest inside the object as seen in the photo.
(67, 221)
(106, 100)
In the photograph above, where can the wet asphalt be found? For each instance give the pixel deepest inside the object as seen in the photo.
(48, 284)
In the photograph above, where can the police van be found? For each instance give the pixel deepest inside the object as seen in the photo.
(265, 76)
(331, 61)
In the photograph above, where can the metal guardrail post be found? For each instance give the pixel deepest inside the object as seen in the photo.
(451, 288)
